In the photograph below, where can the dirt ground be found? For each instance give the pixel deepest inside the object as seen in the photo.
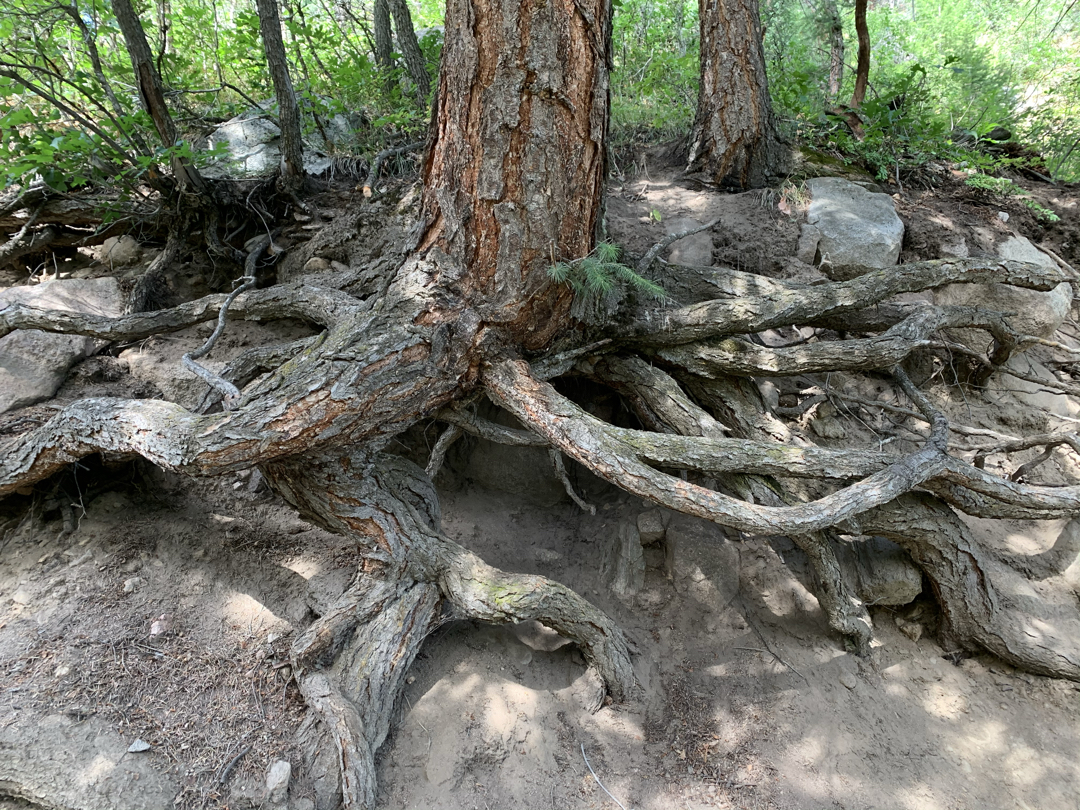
(163, 621)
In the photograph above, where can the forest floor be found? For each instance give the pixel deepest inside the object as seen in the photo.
(167, 616)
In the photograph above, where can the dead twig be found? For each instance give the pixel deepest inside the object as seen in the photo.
(597, 778)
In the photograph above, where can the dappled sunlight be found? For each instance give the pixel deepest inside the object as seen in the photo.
(307, 567)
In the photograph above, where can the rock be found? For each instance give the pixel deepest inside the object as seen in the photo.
(858, 229)
(138, 747)
(305, 804)
(695, 250)
(651, 526)
(120, 251)
(880, 571)
(252, 145)
(538, 637)
(1030, 312)
(33, 364)
(74, 760)
(828, 427)
(701, 561)
(316, 264)
(62, 671)
(623, 562)
(132, 584)
(21, 597)
(809, 237)
(277, 782)
(848, 679)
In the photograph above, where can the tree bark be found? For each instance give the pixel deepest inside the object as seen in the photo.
(515, 170)
(734, 142)
(830, 17)
(410, 49)
(152, 95)
(292, 147)
(384, 43)
(862, 68)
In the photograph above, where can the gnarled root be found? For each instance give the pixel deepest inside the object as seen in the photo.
(351, 663)
(986, 603)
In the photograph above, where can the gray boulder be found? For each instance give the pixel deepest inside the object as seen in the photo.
(855, 229)
(33, 364)
(120, 251)
(1030, 312)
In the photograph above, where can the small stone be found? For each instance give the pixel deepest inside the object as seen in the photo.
(1003, 216)
(277, 782)
(651, 527)
(912, 630)
(410, 680)
(547, 555)
(138, 747)
(848, 680)
(161, 625)
(132, 584)
(828, 428)
(20, 597)
(62, 671)
(316, 264)
(118, 251)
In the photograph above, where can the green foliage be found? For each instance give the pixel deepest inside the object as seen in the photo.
(1006, 188)
(597, 275)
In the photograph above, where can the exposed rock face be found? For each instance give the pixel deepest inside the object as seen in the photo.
(855, 228)
(1030, 312)
(33, 364)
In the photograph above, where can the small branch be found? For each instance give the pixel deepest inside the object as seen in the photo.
(382, 157)
(650, 257)
(560, 473)
(438, 453)
(230, 393)
(597, 778)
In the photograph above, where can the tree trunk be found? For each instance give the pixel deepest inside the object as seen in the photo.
(384, 43)
(862, 68)
(292, 148)
(734, 142)
(830, 18)
(410, 49)
(515, 170)
(152, 95)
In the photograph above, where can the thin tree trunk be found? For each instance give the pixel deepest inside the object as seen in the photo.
(152, 94)
(384, 44)
(292, 149)
(862, 68)
(734, 142)
(410, 49)
(832, 21)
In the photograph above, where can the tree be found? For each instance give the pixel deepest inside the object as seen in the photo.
(733, 142)
(382, 11)
(292, 148)
(513, 178)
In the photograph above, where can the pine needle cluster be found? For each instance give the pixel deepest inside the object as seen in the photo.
(598, 275)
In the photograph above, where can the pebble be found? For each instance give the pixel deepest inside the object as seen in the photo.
(138, 747)
(848, 680)
(62, 671)
(132, 584)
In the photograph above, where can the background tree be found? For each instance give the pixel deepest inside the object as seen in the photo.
(292, 147)
(734, 141)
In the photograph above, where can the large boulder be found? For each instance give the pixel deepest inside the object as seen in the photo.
(251, 143)
(33, 364)
(1030, 312)
(854, 228)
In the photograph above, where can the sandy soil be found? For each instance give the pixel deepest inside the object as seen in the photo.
(166, 617)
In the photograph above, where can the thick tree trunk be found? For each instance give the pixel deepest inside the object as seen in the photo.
(152, 95)
(514, 174)
(734, 142)
(292, 147)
